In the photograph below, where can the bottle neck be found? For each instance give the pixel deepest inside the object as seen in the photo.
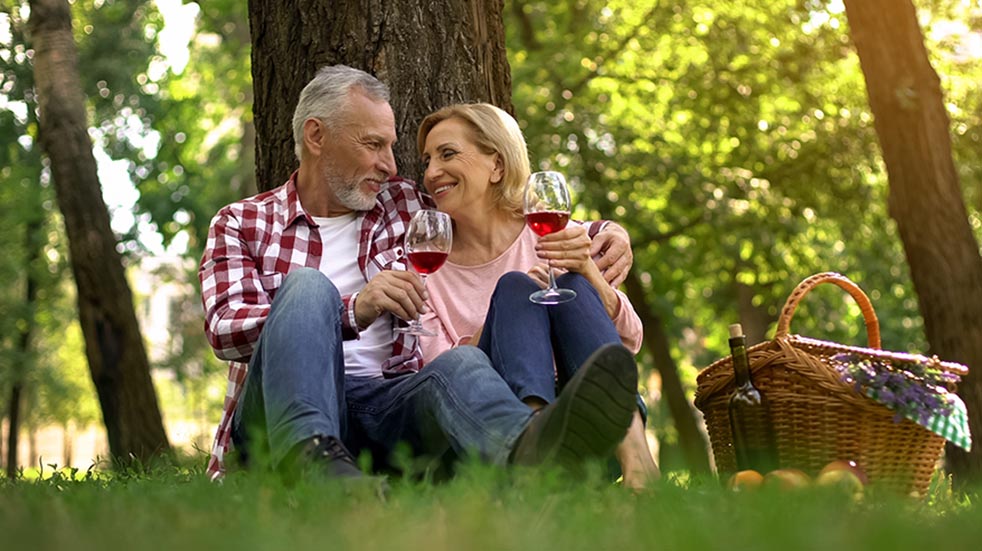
(741, 364)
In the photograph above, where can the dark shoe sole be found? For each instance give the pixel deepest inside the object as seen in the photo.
(591, 415)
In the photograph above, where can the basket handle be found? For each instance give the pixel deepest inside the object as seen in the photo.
(865, 306)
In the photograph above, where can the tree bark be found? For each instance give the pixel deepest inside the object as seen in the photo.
(113, 343)
(429, 53)
(693, 444)
(925, 197)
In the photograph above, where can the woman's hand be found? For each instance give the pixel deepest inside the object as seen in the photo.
(567, 249)
(540, 274)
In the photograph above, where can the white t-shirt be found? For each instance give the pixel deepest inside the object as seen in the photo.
(339, 235)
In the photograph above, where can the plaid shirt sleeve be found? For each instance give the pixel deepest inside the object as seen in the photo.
(232, 292)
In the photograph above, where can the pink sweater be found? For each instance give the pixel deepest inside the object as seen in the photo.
(460, 295)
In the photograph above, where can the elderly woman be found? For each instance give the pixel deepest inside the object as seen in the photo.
(476, 165)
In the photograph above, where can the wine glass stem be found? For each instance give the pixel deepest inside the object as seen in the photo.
(552, 277)
(417, 324)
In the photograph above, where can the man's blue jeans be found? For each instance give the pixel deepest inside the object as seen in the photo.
(296, 388)
(523, 338)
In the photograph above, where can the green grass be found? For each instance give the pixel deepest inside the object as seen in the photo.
(483, 508)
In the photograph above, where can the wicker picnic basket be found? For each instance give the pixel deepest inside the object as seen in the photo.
(816, 417)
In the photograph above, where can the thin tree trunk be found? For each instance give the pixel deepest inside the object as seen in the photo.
(32, 446)
(429, 53)
(754, 318)
(925, 198)
(113, 344)
(13, 413)
(67, 444)
(691, 439)
(32, 244)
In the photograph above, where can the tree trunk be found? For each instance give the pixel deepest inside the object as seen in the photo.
(32, 446)
(113, 344)
(694, 446)
(67, 444)
(14, 415)
(754, 318)
(429, 53)
(925, 197)
(32, 246)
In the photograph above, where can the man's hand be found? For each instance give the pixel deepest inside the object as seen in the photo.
(611, 250)
(400, 293)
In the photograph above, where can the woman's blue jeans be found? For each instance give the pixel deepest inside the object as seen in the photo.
(523, 338)
(296, 388)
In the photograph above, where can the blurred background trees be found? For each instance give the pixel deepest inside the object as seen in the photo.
(735, 143)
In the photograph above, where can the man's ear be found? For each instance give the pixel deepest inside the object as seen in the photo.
(313, 135)
(498, 172)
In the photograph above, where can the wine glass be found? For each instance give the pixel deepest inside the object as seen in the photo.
(547, 207)
(428, 241)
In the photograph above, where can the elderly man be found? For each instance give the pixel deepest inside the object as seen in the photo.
(303, 287)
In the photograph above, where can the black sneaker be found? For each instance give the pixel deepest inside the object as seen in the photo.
(590, 416)
(324, 455)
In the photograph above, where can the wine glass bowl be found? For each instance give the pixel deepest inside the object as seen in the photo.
(428, 241)
(547, 208)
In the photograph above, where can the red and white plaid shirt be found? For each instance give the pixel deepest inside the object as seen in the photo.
(254, 243)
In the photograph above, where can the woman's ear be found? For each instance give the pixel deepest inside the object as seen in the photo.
(498, 172)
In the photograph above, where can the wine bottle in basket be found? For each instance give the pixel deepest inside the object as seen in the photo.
(750, 417)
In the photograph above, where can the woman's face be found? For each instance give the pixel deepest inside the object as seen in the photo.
(457, 174)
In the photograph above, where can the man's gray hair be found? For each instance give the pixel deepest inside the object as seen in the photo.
(325, 97)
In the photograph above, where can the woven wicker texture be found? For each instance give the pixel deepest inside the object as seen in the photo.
(817, 418)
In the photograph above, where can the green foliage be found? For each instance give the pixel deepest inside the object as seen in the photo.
(484, 508)
(205, 157)
(736, 144)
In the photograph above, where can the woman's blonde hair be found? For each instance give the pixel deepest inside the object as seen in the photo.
(494, 131)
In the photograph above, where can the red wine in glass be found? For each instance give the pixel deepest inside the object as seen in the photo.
(428, 240)
(547, 207)
(427, 262)
(546, 222)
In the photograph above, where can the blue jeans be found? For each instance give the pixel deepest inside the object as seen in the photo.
(523, 338)
(296, 388)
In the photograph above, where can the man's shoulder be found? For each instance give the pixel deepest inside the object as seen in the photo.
(401, 193)
(266, 202)
(399, 186)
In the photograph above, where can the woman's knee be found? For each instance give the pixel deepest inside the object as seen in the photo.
(574, 281)
(516, 282)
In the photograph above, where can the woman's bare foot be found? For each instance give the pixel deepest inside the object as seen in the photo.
(638, 467)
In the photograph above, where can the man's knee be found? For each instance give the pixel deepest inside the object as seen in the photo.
(459, 364)
(312, 285)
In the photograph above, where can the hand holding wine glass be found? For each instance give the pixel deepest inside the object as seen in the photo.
(428, 241)
(547, 208)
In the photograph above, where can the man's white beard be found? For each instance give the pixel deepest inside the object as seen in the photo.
(348, 192)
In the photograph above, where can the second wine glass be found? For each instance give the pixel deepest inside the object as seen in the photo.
(547, 208)
(428, 240)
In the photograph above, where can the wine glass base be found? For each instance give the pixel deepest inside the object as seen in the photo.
(418, 331)
(552, 296)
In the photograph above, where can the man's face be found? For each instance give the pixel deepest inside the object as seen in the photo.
(357, 154)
